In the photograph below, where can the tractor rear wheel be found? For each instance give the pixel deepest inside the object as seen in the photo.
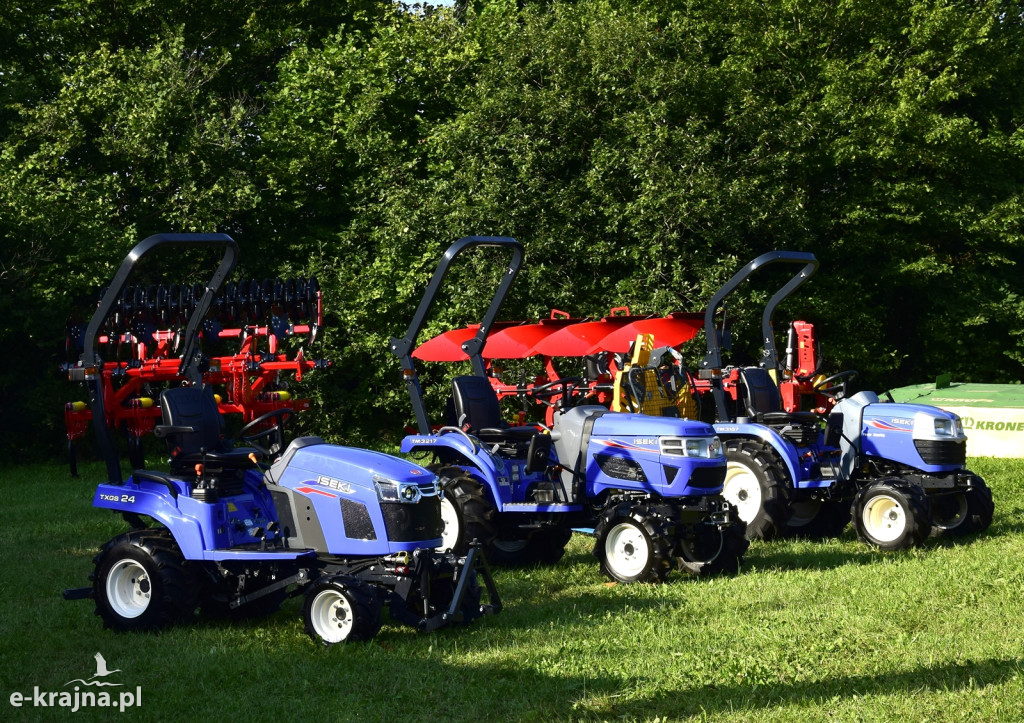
(892, 514)
(466, 511)
(633, 544)
(964, 511)
(142, 582)
(712, 549)
(544, 546)
(818, 519)
(754, 484)
(341, 609)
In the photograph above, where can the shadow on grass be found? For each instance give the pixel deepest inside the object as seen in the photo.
(949, 677)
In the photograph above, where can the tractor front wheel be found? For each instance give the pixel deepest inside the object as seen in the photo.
(142, 582)
(341, 609)
(754, 485)
(633, 544)
(466, 512)
(818, 519)
(964, 511)
(892, 514)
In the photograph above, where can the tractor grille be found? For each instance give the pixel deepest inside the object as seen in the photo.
(708, 477)
(933, 452)
(409, 523)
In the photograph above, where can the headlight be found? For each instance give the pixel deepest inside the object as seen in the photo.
(704, 447)
(929, 426)
(944, 427)
(389, 490)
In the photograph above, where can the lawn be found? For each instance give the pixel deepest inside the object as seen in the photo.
(807, 632)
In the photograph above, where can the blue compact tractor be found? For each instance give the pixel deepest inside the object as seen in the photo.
(235, 530)
(897, 469)
(649, 487)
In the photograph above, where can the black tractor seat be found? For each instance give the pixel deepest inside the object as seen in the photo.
(475, 408)
(194, 430)
(763, 401)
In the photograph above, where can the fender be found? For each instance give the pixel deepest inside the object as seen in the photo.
(785, 450)
(469, 449)
(130, 497)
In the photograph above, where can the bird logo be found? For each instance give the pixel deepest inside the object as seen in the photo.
(101, 672)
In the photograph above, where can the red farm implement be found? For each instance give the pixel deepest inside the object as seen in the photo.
(618, 356)
(255, 337)
(601, 347)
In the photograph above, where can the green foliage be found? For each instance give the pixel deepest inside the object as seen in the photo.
(641, 152)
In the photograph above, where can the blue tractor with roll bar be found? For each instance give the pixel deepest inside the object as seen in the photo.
(236, 530)
(650, 487)
(897, 468)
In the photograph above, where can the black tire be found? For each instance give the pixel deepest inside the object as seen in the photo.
(142, 582)
(467, 508)
(341, 609)
(892, 514)
(755, 486)
(633, 544)
(544, 547)
(818, 519)
(963, 512)
(707, 549)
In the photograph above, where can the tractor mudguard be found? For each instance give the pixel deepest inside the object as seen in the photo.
(786, 451)
(465, 451)
(133, 498)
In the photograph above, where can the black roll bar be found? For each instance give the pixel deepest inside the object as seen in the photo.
(403, 347)
(711, 366)
(90, 366)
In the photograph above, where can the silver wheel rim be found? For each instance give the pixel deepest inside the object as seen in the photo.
(449, 526)
(626, 550)
(331, 615)
(884, 518)
(743, 490)
(129, 589)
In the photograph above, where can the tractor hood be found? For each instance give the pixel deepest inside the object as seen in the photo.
(334, 466)
(642, 425)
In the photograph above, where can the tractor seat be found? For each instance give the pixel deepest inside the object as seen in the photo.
(194, 430)
(476, 410)
(764, 402)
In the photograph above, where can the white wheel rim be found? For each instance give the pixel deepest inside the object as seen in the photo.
(955, 520)
(742, 489)
(884, 518)
(129, 589)
(449, 526)
(331, 615)
(509, 545)
(626, 550)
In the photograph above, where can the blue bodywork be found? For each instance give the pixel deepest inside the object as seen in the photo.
(231, 527)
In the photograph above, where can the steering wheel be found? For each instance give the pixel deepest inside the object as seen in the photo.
(280, 416)
(563, 386)
(835, 386)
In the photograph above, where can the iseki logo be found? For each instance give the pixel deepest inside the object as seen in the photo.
(78, 698)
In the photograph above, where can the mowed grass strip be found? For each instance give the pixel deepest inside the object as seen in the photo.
(807, 632)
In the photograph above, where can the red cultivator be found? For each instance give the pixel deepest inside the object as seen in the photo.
(254, 324)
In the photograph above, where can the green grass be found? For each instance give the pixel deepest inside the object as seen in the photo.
(807, 632)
